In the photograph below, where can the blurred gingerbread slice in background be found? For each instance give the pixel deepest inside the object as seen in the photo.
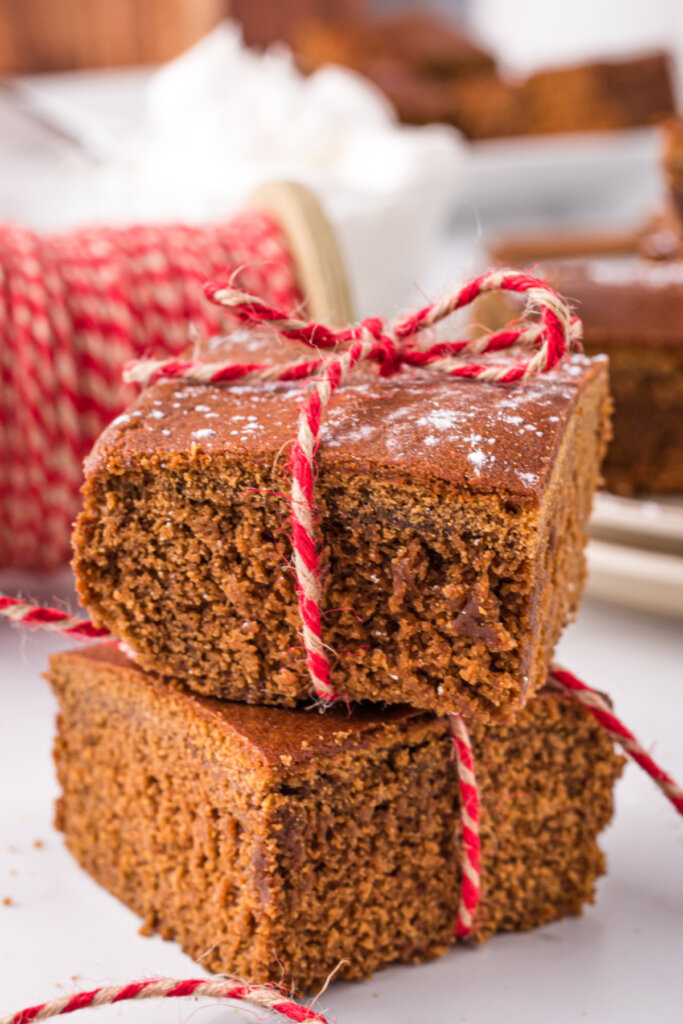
(432, 70)
(628, 289)
(422, 43)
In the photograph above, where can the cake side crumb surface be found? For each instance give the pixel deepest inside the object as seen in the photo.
(338, 850)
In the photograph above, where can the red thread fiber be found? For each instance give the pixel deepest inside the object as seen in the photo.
(267, 997)
(391, 347)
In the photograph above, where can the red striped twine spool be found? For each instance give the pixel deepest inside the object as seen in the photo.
(74, 309)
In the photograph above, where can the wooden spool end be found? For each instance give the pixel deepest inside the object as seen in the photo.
(312, 242)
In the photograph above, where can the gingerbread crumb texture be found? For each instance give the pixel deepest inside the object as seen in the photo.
(453, 522)
(264, 839)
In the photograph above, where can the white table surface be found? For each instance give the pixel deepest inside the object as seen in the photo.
(621, 962)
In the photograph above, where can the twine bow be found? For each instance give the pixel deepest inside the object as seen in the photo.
(539, 345)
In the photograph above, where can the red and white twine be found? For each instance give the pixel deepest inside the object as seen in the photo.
(567, 684)
(540, 345)
(52, 619)
(537, 346)
(470, 886)
(74, 309)
(265, 997)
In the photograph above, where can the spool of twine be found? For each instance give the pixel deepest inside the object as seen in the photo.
(76, 307)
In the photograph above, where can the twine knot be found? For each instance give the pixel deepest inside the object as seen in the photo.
(547, 328)
(535, 344)
(387, 350)
(550, 336)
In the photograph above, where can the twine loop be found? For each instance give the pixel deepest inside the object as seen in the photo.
(539, 342)
(549, 336)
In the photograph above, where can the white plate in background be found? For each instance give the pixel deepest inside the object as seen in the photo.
(647, 580)
(635, 557)
(603, 177)
(655, 522)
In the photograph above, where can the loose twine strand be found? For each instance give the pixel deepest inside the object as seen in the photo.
(568, 684)
(266, 997)
(392, 348)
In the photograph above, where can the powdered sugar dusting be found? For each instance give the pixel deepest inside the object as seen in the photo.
(482, 436)
(440, 419)
(478, 458)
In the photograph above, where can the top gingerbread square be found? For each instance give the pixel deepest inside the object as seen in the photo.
(452, 515)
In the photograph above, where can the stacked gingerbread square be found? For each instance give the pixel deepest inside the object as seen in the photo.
(206, 788)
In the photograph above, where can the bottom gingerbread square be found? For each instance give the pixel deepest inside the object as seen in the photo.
(266, 840)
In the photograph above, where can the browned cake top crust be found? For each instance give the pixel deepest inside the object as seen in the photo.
(482, 438)
(624, 297)
(280, 737)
